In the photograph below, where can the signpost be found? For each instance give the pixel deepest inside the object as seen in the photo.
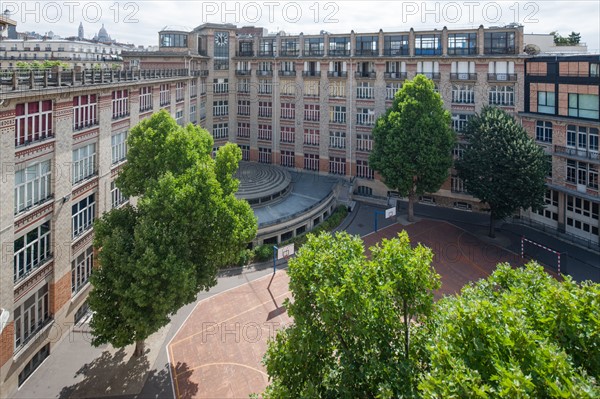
(281, 253)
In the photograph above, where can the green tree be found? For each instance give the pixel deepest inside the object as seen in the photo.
(350, 332)
(502, 166)
(518, 334)
(156, 257)
(574, 38)
(413, 142)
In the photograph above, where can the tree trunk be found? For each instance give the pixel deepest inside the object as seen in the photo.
(406, 337)
(492, 231)
(411, 205)
(139, 348)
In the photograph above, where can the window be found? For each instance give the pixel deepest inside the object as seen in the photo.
(173, 40)
(120, 103)
(119, 146)
(365, 116)
(193, 117)
(312, 112)
(364, 142)
(499, 43)
(221, 51)
(266, 47)
(288, 111)
(583, 105)
(34, 363)
(220, 108)
(337, 114)
(265, 109)
(337, 89)
(220, 86)
(428, 45)
(33, 122)
(287, 87)
(502, 70)
(337, 139)
(395, 45)
(288, 68)
(193, 89)
(364, 191)
(203, 86)
(117, 197)
(179, 117)
(179, 91)
(367, 46)
(594, 70)
(463, 70)
(165, 94)
(337, 166)
(462, 44)
(202, 110)
(145, 98)
(314, 46)
(289, 47)
(312, 88)
(31, 250)
(363, 170)
(85, 111)
(288, 158)
(391, 89)
(502, 95)
(458, 186)
(543, 131)
(83, 215)
(364, 90)
(460, 121)
(311, 161)
(243, 107)
(265, 132)
(458, 151)
(311, 137)
(583, 207)
(245, 152)
(582, 173)
(265, 86)
(431, 69)
(32, 185)
(220, 131)
(288, 134)
(81, 269)
(243, 86)
(264, 155)
(243, 129)
(84, 162)
(339, 46)
(571, 171)
(31, 316)
(463, 94)
(546, 102)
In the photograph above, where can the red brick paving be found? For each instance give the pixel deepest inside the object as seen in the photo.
(218, 351)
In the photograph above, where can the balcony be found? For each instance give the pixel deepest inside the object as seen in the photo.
(311, 73)
(577, 153)
(430, 75)
(287, 73)
(289, 53)
(502, 77)
(366, 53)
(368, 75)
(245, 53)
(340, 74)
(270, 53)
(264, 73)
(243, 72)
(314, 53)
(463, 76)
(338, 53)
(395, 52)
(395, 75)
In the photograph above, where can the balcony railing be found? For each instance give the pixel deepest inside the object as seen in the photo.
(395, 52)
(266, 53)
(314, 53)
(287, 73)
(264, 73)
(12, 80)
(579, 153)
(366, 53)
(243, 72)
(502, 77)
(361, 74)
(430, 75)
(340, 74)
(288, 53)
(245, 53)
(311, 73)
(395, 75)
(463, 76)
(338, 53)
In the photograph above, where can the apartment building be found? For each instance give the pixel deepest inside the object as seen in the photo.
(310, 101)
(562, 114)
(63, 141)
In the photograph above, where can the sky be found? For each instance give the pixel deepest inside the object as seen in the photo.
(139, 21)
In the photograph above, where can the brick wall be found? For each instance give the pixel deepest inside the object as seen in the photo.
(60, 293)
(6, 343)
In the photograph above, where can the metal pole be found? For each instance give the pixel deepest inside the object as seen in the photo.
(275, 258)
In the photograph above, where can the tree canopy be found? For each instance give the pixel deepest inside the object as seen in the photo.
(520, 333)
(502, 166)
(156, 257)
(348, 338)
(413, 141)
(573, 39)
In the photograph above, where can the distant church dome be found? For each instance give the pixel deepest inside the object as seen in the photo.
(103, 35)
